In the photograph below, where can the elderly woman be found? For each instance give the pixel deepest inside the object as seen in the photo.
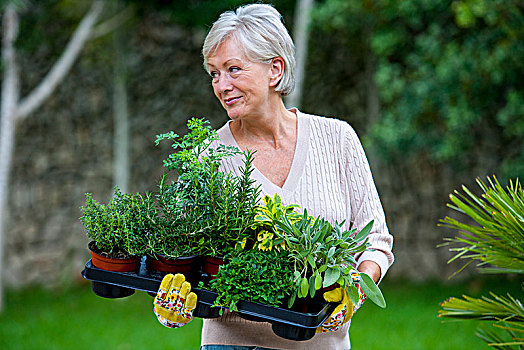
(312, 161)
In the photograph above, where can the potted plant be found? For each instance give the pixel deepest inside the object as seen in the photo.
(119, 229)
(205, 211)
(322, 254)
(254, 275)
(170, 247)
(118, 232)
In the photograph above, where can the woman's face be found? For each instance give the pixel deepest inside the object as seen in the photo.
(241, 86)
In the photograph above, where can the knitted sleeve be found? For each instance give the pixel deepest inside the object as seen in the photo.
(365, 203)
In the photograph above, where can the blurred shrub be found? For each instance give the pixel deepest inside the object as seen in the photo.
(449, 74)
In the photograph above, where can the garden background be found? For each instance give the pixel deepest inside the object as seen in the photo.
(434, 89)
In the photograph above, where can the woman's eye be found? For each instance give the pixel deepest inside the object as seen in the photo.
(234, 69)
(214, 75)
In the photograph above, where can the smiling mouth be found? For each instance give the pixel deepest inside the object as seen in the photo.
(230, 101)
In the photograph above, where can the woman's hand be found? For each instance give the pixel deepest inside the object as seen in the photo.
(344, 310)
(174, 302)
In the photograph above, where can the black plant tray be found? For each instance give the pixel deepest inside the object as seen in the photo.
(109, 284)
(286, 323)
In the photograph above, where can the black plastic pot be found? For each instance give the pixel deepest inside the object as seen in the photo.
(293, 332)
(106, 290)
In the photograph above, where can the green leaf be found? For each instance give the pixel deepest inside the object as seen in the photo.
(331, 252)
(353, 295)
(312, 289)
(318, 281)
(364, 232)
(291, 300)
(330, 277)
(341, 280)
(311, 261)
(303, 287)
(296, 275)
(371, 290)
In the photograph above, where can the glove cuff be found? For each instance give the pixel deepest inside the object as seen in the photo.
(164, 321)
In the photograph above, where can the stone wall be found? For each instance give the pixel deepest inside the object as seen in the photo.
(65, 149)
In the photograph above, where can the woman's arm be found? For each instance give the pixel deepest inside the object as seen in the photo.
(371, 268)
(366, 206)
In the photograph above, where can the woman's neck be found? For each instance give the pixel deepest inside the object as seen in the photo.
(269, 128)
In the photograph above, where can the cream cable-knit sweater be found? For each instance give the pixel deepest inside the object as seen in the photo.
(330, 176)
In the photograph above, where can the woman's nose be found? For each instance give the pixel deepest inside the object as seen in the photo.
(223, 83)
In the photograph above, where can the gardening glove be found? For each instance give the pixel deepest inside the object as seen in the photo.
(345, 309)
(174, 302)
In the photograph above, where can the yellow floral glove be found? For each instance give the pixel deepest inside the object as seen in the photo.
(174, 302)
(344, 310)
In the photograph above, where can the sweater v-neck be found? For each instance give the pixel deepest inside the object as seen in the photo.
(297, 165)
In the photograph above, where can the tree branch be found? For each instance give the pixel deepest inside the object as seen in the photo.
(64, 63)
(113, 23)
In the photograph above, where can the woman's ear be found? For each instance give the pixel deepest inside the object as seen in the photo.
(277, 71)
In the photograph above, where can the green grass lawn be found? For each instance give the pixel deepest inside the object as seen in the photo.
(77, 319)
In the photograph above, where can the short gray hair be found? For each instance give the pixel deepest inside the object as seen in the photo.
(261, 34)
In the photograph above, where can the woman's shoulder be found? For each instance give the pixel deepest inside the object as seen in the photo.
(332, 125)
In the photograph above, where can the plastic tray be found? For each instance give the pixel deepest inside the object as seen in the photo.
(286, 323)
(110, 284)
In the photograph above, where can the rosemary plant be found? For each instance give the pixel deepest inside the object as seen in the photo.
(205, 211)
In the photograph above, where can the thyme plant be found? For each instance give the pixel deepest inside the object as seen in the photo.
(254, 275)
(123, 226)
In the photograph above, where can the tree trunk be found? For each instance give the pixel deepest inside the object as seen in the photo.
(120, 114)
(301, 34)
(10, 95)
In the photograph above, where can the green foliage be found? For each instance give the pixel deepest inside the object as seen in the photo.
(123, 225)
(321, 254)
(264, 277)
(497, 238)
(449, 74)
(205, 211)
(190, 158)
(496, 241)
(198, 13)
(39, 28)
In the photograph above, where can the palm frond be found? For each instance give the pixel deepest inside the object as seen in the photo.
(496, 242)
(497, 236)
(495, 340)
(498, 308)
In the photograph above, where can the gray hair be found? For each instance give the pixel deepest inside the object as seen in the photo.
(259, 30)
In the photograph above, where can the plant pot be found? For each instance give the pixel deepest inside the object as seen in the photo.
(113, 264)
(211, 265)
(106, 290)
(185, 265)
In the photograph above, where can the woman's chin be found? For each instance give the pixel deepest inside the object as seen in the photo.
(234, 114)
